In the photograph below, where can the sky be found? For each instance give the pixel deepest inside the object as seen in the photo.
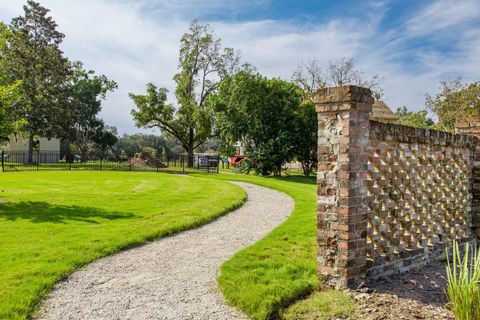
(412, 44)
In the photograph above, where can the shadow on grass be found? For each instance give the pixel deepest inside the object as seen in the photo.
(298, 179)
(40, 212)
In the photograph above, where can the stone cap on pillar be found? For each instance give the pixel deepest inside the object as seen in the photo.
(343, 98)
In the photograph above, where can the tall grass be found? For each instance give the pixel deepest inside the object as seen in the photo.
(463, 275)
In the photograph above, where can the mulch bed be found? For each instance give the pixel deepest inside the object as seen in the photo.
(418, 294)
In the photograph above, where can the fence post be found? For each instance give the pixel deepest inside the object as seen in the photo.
(183, 163)
(343, 148)
(38, 158)
(3, 161)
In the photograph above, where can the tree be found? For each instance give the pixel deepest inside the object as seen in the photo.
(9, 96)
(203, 66)
(310, 77)
(32, 54)
(131, 144)
(10, 122)
(306, 137)
(105, 139)
(456, 101)
(260, 113)
(88, 91)
(417, 119)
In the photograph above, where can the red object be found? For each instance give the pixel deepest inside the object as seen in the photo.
(235, 160)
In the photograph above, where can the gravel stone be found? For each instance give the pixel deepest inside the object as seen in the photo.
(173, 277)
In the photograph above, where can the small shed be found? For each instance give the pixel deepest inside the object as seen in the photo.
(381, 112)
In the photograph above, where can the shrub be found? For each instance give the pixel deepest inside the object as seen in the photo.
(463, 276)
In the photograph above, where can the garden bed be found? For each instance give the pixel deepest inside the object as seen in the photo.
(418, 294)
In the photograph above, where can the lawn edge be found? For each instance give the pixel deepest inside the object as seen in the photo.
(34, 308)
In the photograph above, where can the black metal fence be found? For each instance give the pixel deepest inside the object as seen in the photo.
(13, 161)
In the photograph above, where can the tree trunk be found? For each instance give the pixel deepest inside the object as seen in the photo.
(190, 149)
(30, 148)
(84, 156)
(307, 168)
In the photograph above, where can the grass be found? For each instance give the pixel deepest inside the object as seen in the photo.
(463, 274)
(263, 279)
(322, 305)
(51, 223)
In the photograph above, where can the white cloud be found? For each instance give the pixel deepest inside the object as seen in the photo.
(443, 14)
(136, 42)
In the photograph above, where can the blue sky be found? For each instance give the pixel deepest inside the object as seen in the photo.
(413, 44)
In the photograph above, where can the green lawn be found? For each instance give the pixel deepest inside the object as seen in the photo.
(266, 277)
(51, 223)
(323, 305)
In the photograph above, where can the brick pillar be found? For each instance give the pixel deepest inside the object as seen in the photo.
(472, 127)
(343, 149)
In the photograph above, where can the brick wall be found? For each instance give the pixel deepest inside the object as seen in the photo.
(390, 197)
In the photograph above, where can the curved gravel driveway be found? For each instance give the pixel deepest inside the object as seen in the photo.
(171, 278)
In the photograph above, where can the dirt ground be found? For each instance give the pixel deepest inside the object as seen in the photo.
(418, 294)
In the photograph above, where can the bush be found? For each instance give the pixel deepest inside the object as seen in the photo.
(463, 276)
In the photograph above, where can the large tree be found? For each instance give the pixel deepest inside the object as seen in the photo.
(260, 113)
(304, 146)
(32, 54)
(455, 102)
(10, 122)
(88, 91)
(310, 77)
(417, 119)
(203, 65)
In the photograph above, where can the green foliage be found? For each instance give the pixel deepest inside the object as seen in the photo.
(305, 136)
(322, 305)
(61, 233)
(456, 102)
(105, 139)
(463, 276)
(87, 94)
(9, 123)
(203, 65)
(261, 113)
(417, 119)
(131, 144)
(10, 94)
(31, 53)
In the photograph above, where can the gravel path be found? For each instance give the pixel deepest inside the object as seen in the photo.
(171, 278)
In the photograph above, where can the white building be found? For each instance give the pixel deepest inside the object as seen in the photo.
(19, 142)
(16, 149)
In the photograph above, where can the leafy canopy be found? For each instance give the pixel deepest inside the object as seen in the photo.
(260, 113)
(203, 65)
(88, 91)
(455, 102)
(417, 119)
(31, 54)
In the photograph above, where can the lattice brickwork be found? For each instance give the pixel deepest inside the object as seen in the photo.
(420, 197)
(390, 197)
